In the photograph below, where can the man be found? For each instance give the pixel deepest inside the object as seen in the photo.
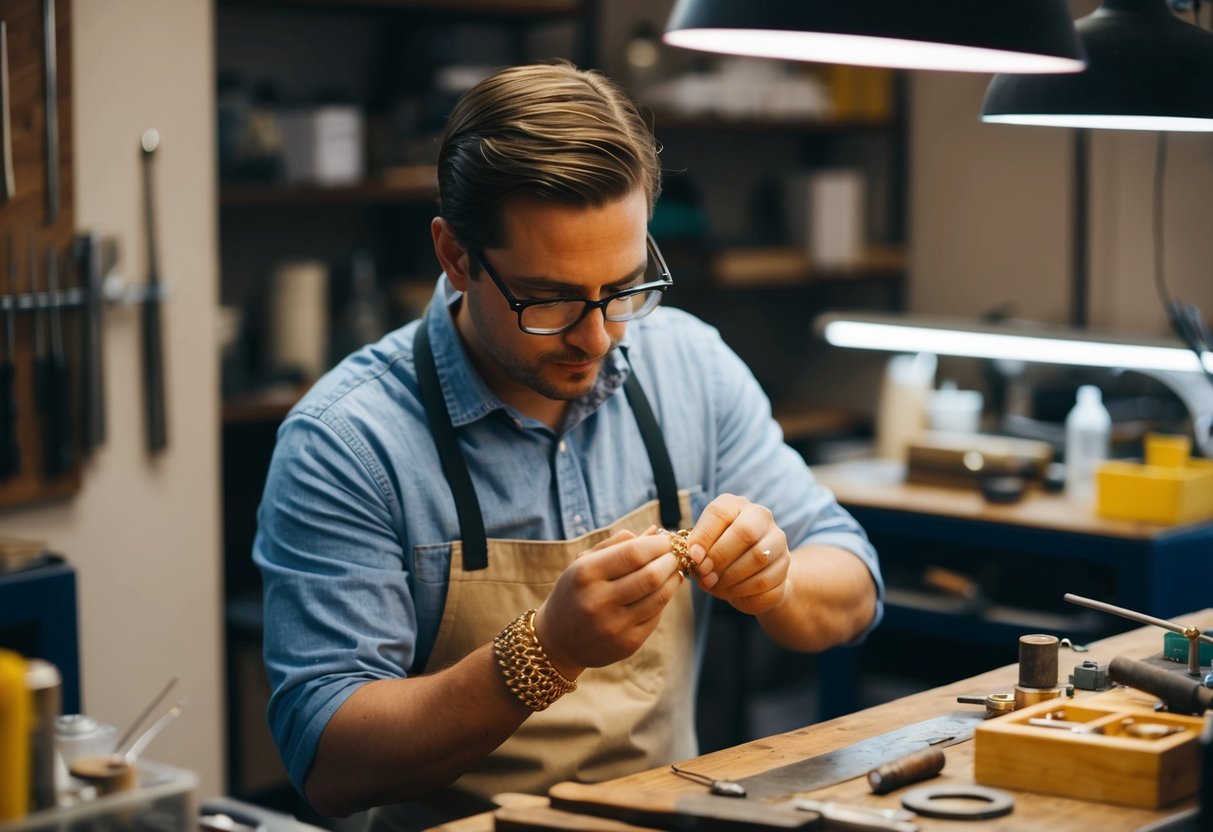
(473, 581)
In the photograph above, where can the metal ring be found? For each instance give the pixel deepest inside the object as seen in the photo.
(990, 803)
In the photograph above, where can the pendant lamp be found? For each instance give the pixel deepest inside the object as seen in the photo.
(1028, 36)
(1147, 70)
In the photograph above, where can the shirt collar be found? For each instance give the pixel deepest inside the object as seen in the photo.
(468, 397)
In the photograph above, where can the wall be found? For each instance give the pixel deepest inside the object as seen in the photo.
(144, 533)
(991, 222)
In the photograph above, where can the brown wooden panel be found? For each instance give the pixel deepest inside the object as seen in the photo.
(25, 215)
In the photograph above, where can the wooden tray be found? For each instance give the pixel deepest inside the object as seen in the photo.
(1111, 758)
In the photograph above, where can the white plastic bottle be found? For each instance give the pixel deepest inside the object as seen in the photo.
(1088, 431)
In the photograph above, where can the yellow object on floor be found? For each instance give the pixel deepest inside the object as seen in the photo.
(1169, 487)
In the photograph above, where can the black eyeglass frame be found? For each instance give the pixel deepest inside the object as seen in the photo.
(520, 306)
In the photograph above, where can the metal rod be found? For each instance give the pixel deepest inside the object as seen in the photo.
(1139, 617)
(147, 736)
(118, 753)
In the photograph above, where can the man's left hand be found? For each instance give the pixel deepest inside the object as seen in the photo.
(748, 553)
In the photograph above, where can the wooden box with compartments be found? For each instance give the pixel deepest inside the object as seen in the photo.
(1107, 748)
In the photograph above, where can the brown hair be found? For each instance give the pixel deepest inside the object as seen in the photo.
(548, 131)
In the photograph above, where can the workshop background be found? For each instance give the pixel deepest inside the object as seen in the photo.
(981, 215)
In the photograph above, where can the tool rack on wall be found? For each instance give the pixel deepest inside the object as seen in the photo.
(41, 443)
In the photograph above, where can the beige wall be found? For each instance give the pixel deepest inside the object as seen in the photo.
(143, 533)
(990, 211)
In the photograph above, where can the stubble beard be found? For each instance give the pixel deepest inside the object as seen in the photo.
(565, 386)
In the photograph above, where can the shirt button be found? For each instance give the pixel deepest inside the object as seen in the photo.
(563, 447)
(518, 423)
(576, 518)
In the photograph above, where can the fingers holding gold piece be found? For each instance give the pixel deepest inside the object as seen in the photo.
(679, 545)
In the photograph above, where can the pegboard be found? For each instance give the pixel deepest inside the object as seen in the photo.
(32, 234)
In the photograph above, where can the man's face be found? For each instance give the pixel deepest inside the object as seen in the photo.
(553, 251)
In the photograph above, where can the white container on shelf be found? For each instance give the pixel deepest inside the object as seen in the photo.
(954, 410)
(1088, 435)
(298, 315)
(322, 145)
(902, 412)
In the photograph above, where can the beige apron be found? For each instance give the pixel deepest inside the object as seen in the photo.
(626, 717)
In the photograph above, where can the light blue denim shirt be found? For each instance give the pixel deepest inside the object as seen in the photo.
(356, 519)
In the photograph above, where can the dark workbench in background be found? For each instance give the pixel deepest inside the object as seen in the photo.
(1022, 557)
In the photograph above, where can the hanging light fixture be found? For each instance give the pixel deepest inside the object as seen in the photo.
(1024, 36)
(1147, 70)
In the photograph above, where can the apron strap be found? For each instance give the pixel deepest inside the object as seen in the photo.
(454, 466)
(659, 457)
(455, 469)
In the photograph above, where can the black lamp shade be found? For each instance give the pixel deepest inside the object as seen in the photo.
(1147, 70)
(961, 35)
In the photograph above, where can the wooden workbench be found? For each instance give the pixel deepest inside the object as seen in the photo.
(1032, 812)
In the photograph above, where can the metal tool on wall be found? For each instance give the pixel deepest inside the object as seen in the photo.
(86, 251)
(50, 77)
(153, 355)
(10, 448)
(48, 391)
(57, 425)
(8, 185)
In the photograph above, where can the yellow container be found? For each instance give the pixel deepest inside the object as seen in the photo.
(1168, 488)
(14, 737)
(1168, 450)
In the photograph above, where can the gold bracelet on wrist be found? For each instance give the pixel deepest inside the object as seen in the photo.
(529, 673)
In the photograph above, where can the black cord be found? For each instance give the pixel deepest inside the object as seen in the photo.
(1185, 318)
(1160, 181)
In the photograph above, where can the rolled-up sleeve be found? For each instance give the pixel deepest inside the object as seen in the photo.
(338, 612)
(754, 461)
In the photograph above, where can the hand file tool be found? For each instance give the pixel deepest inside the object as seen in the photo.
(50, 372)
(51, 88)
(153, 355)
(59, 431)
(87, 256)
(10, 449)
(859, 758)
(8, 185)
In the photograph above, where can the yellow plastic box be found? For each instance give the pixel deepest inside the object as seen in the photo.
(1169, 487)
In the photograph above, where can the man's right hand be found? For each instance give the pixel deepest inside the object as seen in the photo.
(608, 602)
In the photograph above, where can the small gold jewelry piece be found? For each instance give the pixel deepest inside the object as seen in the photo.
(679, 546)
(529, 673)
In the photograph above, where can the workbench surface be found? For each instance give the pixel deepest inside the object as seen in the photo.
(1031, 812)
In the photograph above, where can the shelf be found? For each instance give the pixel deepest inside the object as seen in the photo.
(498, 8)
(664, 120)
(407, 185)
(267, 406)
(790, 267)
(800, 423)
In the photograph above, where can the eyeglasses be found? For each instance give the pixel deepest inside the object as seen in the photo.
(552, 316)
